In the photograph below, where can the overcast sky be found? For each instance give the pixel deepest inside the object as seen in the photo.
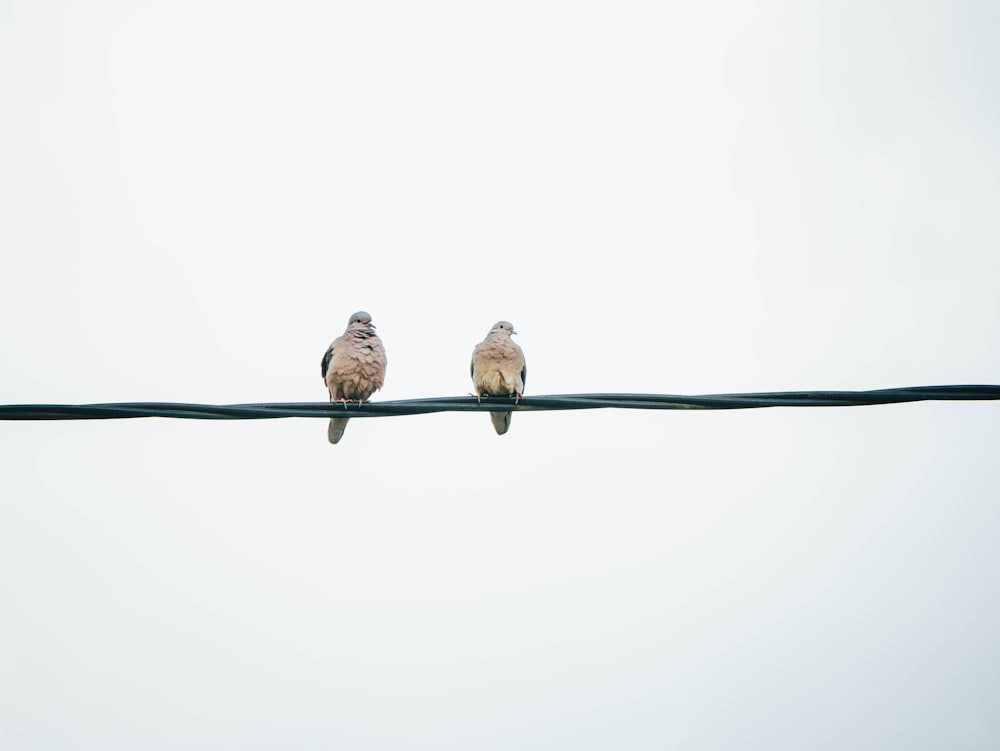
(663, 197)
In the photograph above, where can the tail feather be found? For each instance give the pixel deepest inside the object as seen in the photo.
(501, 421)
(336, 430)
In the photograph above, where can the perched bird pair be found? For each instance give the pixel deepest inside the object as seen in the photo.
(354, 369)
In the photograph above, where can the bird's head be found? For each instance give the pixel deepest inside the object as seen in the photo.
(360, 320)
(503, 327)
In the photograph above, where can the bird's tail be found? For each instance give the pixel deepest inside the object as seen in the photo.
(501, 421)
(336, 430)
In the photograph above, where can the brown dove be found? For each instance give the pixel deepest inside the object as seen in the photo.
(498, 369)
(353, 367)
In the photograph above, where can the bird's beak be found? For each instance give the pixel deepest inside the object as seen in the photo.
(512, 331)
(372, 325)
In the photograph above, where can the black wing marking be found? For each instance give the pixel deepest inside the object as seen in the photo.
(524, 374)
(326, 360)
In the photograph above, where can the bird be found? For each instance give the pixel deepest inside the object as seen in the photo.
(353, 367)
(498, 369)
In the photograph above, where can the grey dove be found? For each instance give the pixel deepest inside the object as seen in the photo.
(353, 367)
(498, 369)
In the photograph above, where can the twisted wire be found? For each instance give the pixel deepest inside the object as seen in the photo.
(470, 404)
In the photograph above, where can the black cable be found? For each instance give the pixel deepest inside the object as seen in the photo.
(469, 404)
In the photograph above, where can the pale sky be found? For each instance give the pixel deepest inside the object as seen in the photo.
(663, 198)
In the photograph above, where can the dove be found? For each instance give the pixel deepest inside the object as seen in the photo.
(353, 367)
(498, 369)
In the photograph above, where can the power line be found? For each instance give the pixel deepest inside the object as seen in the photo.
(469, 404)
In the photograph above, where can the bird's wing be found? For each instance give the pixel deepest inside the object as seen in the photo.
(326, 360)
